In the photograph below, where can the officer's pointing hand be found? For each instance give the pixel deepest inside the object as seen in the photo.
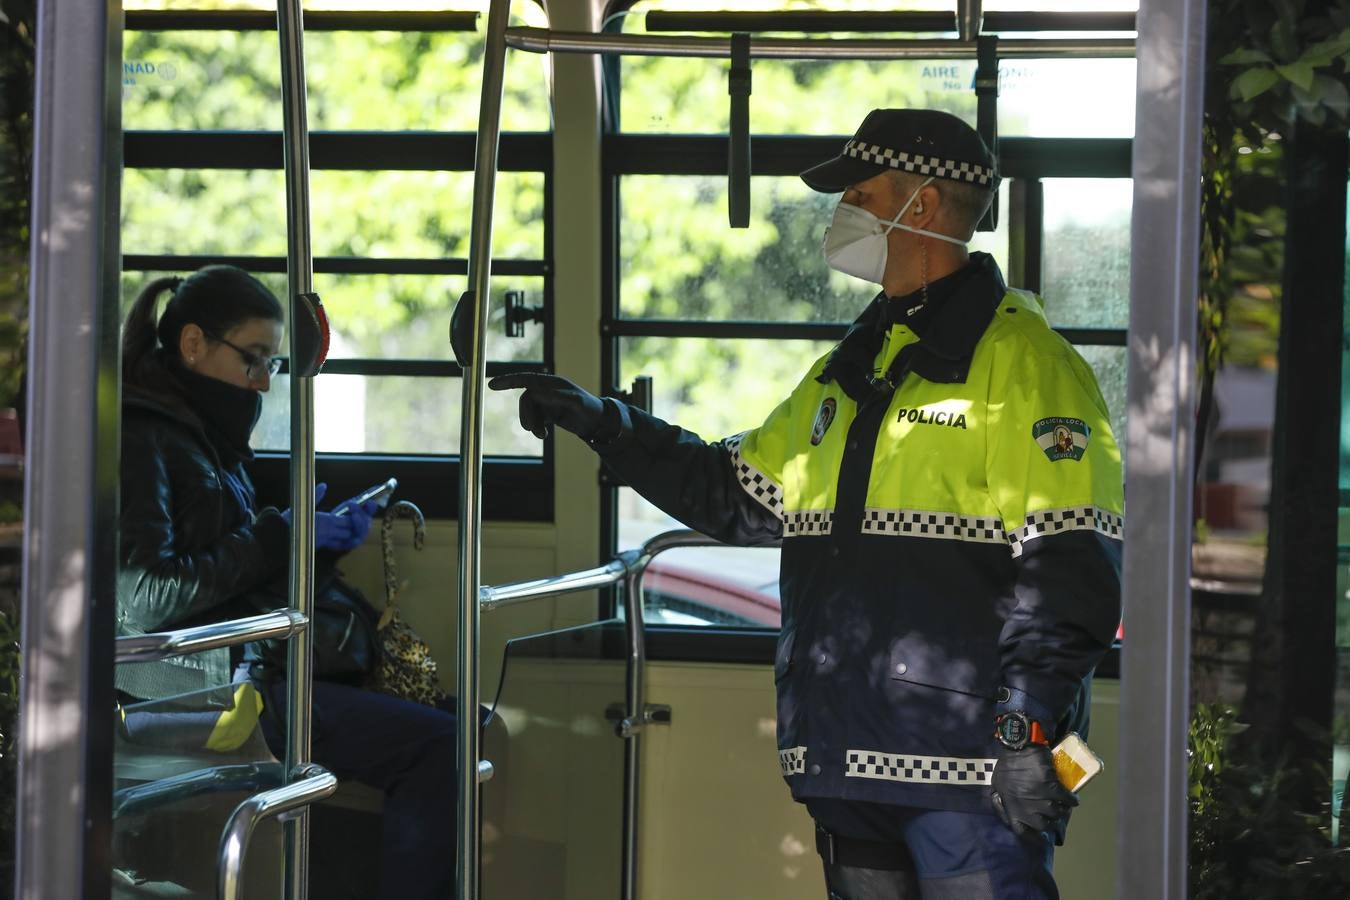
(553, 400)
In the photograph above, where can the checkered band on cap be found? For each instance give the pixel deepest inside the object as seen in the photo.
(920, 164)
(948, 771)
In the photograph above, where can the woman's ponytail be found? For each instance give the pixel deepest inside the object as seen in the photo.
(139, 334)
(215, 299)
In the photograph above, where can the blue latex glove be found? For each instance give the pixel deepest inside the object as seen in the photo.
(340, 533)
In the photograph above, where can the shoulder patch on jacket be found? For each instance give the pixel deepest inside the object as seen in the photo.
(1061, 437)
(824, 418)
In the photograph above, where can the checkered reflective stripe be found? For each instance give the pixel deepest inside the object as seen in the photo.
(1073, 518)
(921, 523)
(808, 521)
(917, 162)
(792, 760)
(756, 483)
(944, 770)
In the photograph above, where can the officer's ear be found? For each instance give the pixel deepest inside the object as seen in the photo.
(927, 206)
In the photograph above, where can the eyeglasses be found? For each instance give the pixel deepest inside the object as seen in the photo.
(258, 366)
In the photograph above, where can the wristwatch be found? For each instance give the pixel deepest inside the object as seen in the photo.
(1016, 729)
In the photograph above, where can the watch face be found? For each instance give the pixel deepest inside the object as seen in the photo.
(1013, 730)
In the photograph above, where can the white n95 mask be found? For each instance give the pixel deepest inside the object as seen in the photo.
(855, 241)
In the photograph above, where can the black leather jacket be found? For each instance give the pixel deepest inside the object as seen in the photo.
(193, 549)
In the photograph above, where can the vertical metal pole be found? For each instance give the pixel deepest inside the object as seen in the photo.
(969, 19)
(635, 721)
(1164, 267)
(300, 280)
(471, 448)
(64, 784)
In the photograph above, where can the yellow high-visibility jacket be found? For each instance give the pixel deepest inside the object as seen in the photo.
(949, 496)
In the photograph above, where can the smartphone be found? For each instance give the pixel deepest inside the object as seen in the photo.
(379, 492)
(1074, 762)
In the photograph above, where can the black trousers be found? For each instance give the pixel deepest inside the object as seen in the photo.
(879, 852)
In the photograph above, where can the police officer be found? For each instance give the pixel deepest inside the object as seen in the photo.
(948, 494)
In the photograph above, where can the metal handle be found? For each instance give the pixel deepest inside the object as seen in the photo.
(517, 314)
(640, 394)
(738, 144)
(281, 623)
(313, 783)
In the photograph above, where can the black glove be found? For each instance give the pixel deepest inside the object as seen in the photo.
(1027, 794)
(553, 400)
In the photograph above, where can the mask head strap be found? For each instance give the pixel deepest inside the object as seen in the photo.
(896, 223)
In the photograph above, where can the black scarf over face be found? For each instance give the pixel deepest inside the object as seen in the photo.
(228, 412)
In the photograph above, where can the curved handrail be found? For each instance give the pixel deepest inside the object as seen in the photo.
(280, 623)
(254, 776)
(617, 570)
(312, 783)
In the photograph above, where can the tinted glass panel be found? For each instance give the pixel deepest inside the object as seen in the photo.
(391, 414)
(679, 259)
(356, 80)
(398, 316)
(1086, 257)
(1109, 364)
(717, 388)
(372, 214)
(408, 316)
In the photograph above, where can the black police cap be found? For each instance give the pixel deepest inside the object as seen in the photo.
(923, 141)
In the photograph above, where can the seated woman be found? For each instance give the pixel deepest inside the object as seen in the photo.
(195, 548)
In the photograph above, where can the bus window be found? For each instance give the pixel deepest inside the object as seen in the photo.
(708, 310)
(392, 115)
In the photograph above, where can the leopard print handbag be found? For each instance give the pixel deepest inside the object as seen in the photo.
(406, 668)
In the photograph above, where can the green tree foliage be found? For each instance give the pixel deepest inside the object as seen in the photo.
(1270, 62)
(1248, 837)
(16, 167)
(17, 20)
(1260, 820)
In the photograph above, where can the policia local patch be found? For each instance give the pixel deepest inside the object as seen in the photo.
(1062, 438)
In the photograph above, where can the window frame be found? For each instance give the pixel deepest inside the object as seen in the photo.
(1025, 163)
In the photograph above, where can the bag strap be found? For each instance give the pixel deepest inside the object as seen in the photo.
(401, 509)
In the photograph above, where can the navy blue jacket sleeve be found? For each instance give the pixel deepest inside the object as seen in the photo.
(687, 478)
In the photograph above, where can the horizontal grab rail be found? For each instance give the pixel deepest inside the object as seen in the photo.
(314, 783)
(588, 579)
(617, 570)
(280, 623)
(542, 40)
(238, 777)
